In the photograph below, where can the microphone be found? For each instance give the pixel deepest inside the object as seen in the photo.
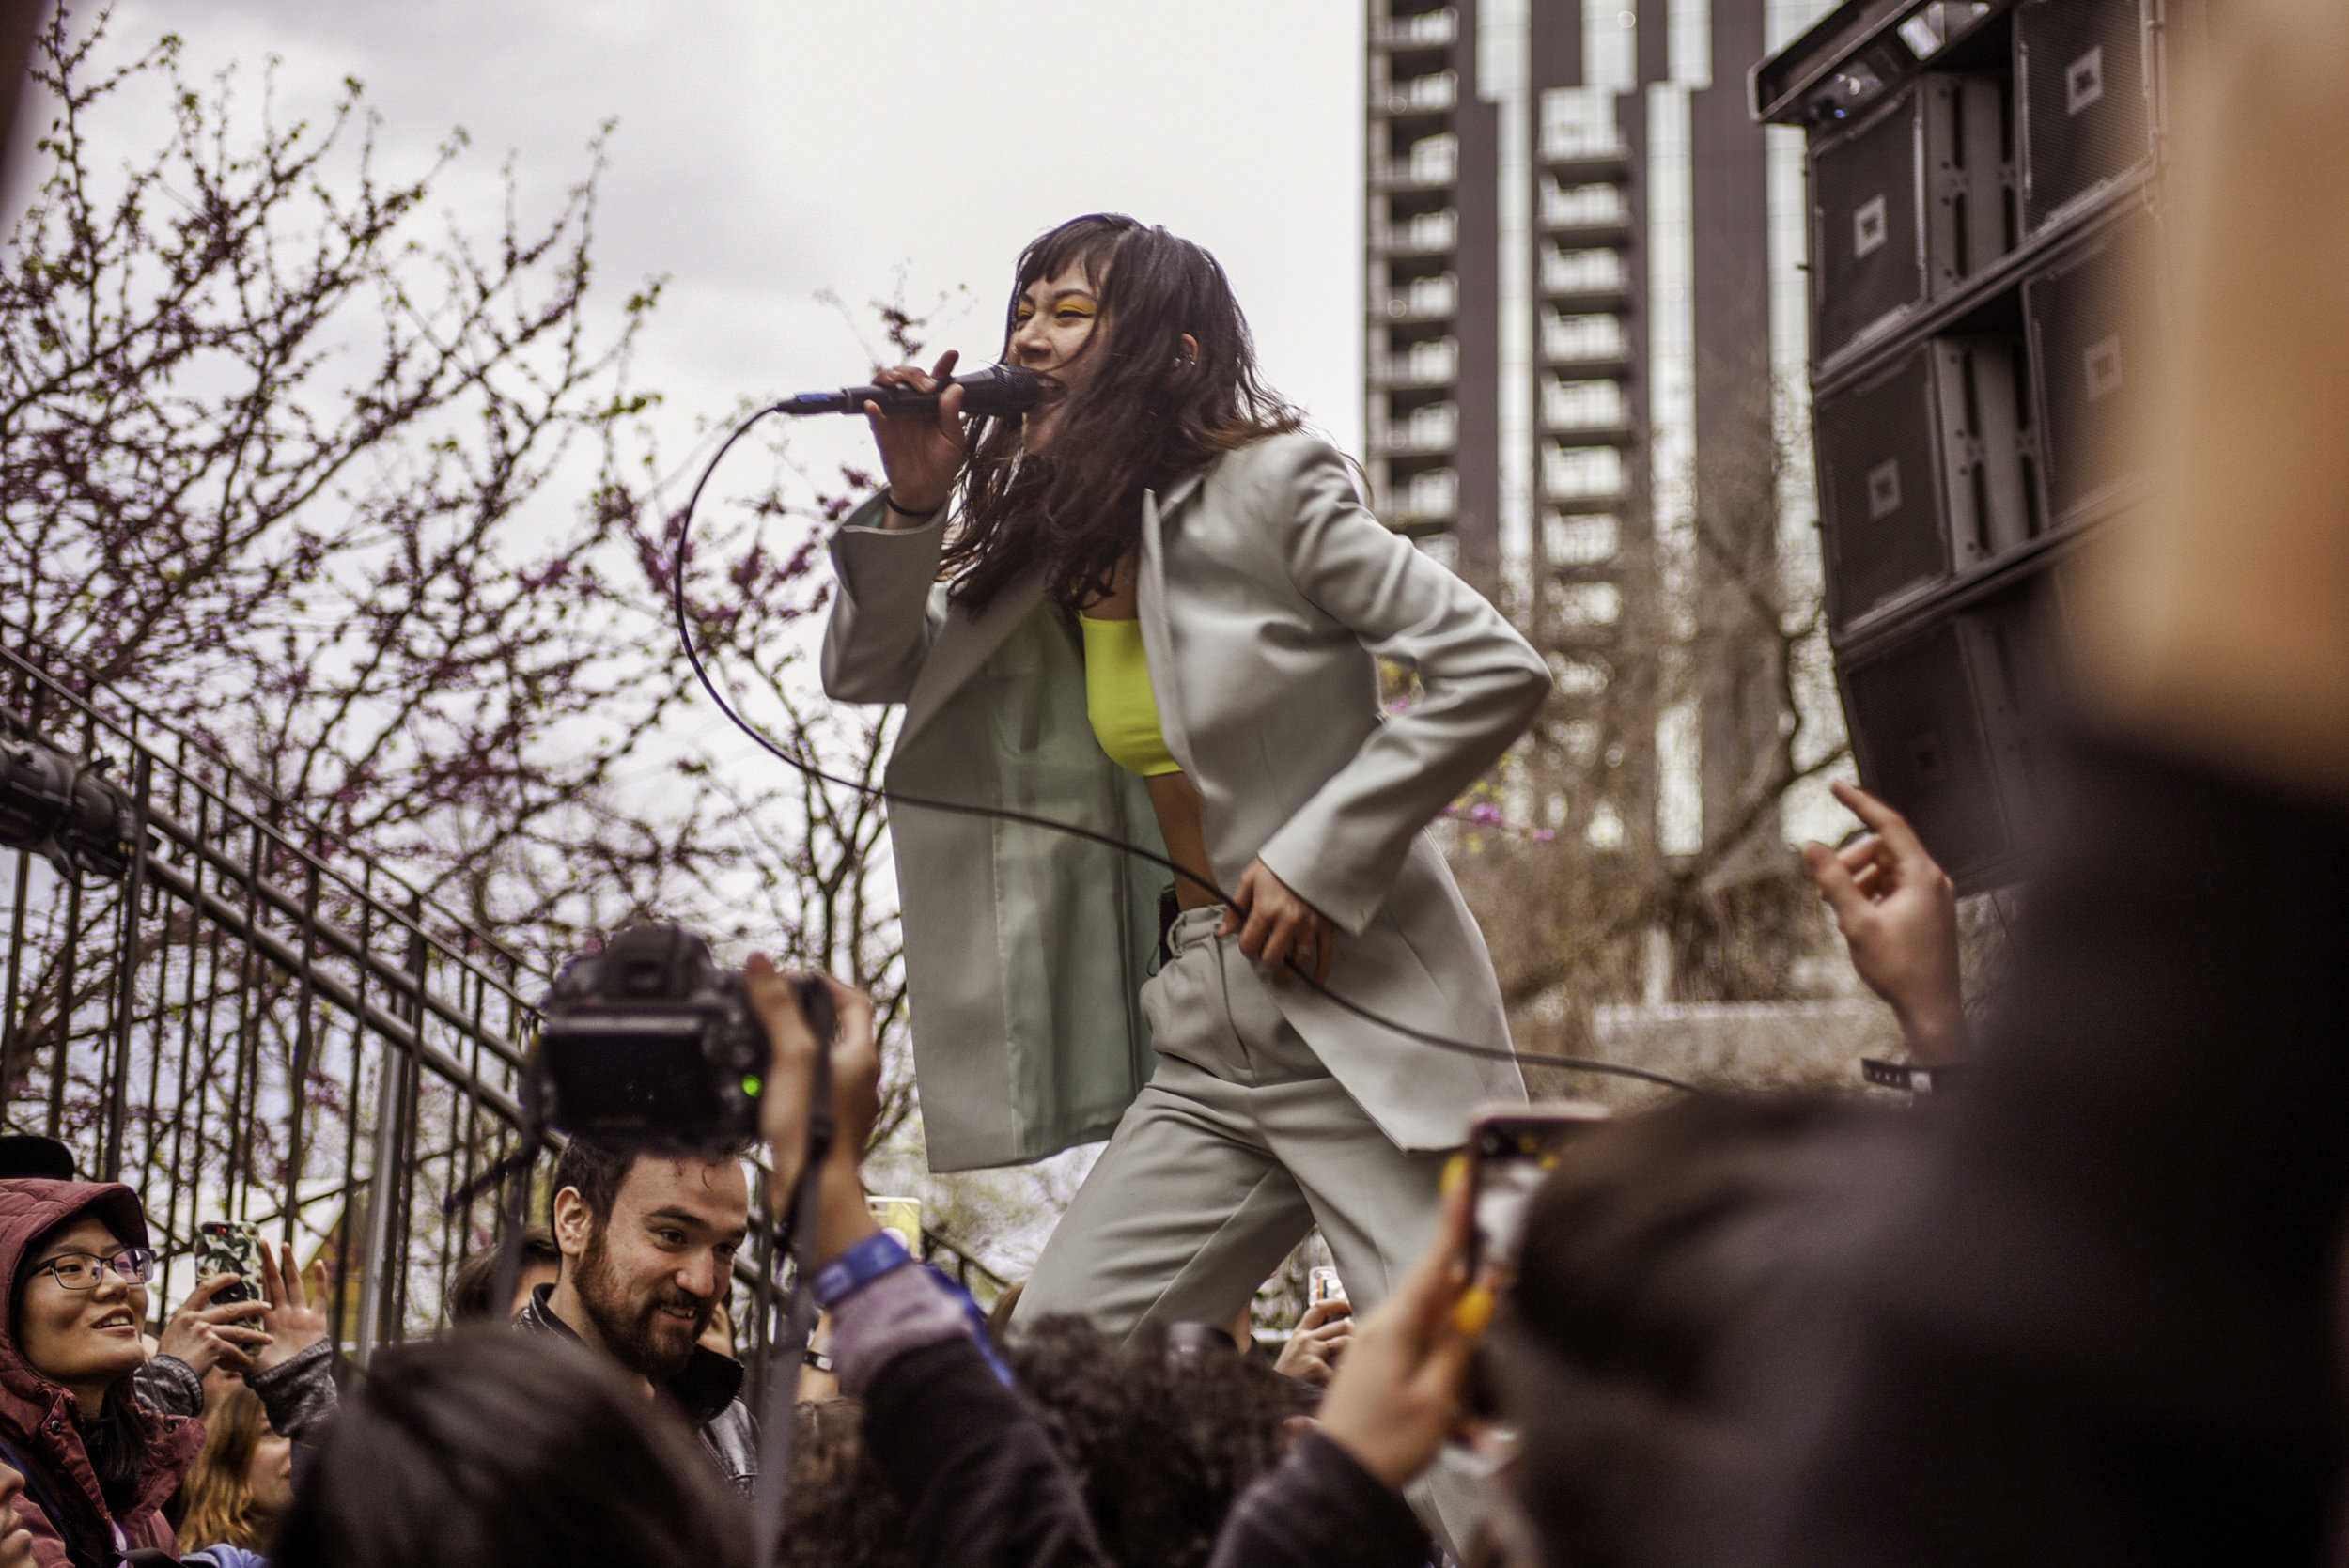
(999, 389)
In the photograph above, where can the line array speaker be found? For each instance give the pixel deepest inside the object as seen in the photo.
(2081, 74)
(2093, 354)
(1947, 727)
(1908, 204)
(1925, 470)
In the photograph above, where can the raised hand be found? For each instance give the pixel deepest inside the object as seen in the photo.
(1898, 913)
(1322, 1335)
(206, 1335)
(1275, 925)
(922, 454)
(295, 1321)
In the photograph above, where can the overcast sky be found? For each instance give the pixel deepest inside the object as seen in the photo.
(769, 152)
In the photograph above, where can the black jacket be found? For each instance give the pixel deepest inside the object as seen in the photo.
(298, 1394)
(707, 1391)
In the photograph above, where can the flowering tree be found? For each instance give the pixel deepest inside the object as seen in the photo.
(370, 505)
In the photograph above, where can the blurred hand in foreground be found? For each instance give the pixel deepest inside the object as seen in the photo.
(1898, 913)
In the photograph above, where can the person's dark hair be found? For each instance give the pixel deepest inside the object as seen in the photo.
(1150, 412)
(475, 1283)
(520, 1450)
(842, 1513)
(1660, 1267)
(1163, 1439)
(598, 1168)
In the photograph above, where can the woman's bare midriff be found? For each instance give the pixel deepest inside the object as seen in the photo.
(1180, 815)
(1181, 825)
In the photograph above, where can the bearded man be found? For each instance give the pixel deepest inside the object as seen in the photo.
(647, 1239)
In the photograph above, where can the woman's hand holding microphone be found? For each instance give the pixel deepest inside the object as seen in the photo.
(921, 455)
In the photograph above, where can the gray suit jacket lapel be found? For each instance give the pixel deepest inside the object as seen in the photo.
(963, 647)
(1158, 639)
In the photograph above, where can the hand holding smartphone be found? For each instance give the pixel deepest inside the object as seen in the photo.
(1511, 1149)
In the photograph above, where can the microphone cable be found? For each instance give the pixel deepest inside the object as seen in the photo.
(1003, 814)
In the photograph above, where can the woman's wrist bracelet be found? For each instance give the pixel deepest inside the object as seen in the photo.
(889, 499)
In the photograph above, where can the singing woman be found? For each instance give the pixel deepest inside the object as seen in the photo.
(1155, 608)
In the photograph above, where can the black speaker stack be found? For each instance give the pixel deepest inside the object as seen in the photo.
(1985, 189)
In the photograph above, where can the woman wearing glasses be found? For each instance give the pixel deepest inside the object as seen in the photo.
(97, 1463)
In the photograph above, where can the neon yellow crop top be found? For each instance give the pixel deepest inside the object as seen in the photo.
(1118, 699)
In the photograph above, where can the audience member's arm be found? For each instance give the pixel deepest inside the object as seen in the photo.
(1898, 913)
(1338, 1494)
(966, 1458)
(294, 1373)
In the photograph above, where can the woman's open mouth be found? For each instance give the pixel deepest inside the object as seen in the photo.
(118, 1322)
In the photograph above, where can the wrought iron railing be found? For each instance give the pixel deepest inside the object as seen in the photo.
(251, 1026)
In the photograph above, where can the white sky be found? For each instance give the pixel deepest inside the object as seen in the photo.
(769, 152)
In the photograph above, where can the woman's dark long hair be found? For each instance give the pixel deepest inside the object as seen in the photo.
(1149, 415)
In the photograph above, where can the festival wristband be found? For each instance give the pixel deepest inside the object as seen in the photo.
(859, 1266)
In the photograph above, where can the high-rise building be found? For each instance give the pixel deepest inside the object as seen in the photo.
(1585, 301)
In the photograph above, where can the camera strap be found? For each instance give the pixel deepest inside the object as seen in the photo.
(779, 1362)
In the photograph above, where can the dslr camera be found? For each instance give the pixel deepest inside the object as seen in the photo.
(650, 1041)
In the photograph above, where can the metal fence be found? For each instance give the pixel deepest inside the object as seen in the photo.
(245, 1027)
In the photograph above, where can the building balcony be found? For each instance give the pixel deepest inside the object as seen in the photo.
(1418, 438)
(1572, 363)
(1433, 94)
(1427, 30)
(1427, 300)
(1587, 231)
(1433, 166)
(1585, 547)
(1570, 500)
(1575, 162)
(1584, 337)
(1611, 300)
(1429, 234)
(1407, 371)
(1573, 431)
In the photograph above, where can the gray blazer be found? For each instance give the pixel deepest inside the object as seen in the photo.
(1266, 595)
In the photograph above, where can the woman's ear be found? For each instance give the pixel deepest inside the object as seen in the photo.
(1189, 354)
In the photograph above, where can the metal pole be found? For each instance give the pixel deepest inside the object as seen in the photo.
(126, 976)
(389, 1114)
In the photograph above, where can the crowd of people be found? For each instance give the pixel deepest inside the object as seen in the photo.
(2086, 1307)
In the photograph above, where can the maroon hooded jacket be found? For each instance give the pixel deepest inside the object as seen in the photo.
(37, 1417)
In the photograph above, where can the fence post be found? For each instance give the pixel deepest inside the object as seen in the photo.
(126, 972)
(382, 1177)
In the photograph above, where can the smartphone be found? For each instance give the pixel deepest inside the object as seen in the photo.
(1323, 1284)
(901, 1217)
(1512, 1148)
(230, 1246)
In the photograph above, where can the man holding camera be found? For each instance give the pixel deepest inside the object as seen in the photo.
(647, 1239)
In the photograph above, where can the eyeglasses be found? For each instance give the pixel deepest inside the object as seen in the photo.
(84, 1270)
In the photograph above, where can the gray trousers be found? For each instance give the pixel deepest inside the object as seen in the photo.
(1240, 1142)
(1238, 1145)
